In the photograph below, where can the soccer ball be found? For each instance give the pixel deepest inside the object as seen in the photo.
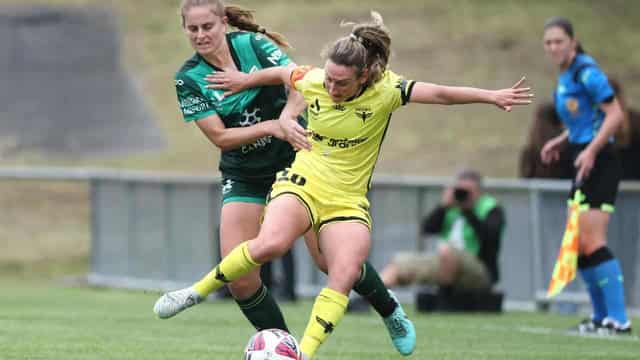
(272, 344)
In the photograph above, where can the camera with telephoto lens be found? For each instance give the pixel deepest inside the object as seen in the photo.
(461, 195)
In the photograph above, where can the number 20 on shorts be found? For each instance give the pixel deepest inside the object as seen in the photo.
(297, 179)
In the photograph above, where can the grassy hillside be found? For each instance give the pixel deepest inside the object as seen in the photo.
(489, 43)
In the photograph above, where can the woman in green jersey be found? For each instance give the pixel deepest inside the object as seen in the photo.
(252, 153)
(242, 127)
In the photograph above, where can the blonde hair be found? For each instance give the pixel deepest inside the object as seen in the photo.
(368, 46)
(237, 16)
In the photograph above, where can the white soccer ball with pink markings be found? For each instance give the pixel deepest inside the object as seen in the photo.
(272, 344)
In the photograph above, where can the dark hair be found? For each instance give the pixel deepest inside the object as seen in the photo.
(238, 17)
(544, 126)
(624, 136)
(472, 175)
(566, 26)
(366, 47)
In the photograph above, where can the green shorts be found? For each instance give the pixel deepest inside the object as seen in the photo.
(234, 190)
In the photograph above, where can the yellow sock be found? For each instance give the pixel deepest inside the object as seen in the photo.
(327, 312)
(236, 264)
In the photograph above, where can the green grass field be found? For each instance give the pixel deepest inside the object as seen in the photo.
(51, 321)
(44, 228)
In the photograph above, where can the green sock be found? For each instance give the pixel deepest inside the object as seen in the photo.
(371, 287)
(262, 310)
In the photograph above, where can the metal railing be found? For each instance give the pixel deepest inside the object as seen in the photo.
(158, 231)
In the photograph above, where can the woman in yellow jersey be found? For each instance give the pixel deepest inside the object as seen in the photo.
(248, 165)
(350, 103)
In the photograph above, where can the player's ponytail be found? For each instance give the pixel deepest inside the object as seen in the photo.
(566, 26)
(243, 20)
(237, 16)
(368, 46)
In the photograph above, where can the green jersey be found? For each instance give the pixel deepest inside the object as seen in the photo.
(251, 52)
(457, 231)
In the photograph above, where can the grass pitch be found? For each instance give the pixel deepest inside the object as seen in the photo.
(50, 321)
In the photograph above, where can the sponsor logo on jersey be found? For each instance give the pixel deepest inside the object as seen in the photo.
(258, 144)
(275, 56)
(193, 104)
(315, 107)
(339, 143)
(250, 118)
(572, 105)
(364, 113)
(339, 107)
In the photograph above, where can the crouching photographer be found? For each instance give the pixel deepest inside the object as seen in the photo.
(469, 225)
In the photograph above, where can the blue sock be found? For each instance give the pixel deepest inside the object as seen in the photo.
(595, 293)
(609, 278)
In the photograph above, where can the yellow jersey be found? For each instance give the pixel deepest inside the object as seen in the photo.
(346, 137)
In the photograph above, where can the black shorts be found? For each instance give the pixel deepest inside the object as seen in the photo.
(601, 186)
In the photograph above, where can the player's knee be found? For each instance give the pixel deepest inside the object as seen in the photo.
(346, 273)
(269, 248)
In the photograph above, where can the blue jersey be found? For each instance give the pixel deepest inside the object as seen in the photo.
(580, 91)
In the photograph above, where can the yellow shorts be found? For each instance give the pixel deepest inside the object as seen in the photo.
(324, 205)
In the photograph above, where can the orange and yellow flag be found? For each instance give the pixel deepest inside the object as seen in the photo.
(567, 262)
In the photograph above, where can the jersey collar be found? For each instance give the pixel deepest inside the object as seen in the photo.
(232, 50)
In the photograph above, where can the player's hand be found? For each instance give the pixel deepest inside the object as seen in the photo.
(584, 163)
(275, 129)
(231, 81)
(294, 133)
(505, 99)
(551, 151)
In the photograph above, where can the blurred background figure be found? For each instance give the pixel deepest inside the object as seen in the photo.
(592, 115)
(545, 126)
(627, 139)
(468, 224)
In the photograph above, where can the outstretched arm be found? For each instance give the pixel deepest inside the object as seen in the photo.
(231, 138)
(427, 93)
(236, 81)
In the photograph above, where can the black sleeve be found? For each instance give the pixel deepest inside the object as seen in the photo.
(432, 224)
(489, 230)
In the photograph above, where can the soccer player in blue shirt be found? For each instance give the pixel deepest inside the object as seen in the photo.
(587, 105)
